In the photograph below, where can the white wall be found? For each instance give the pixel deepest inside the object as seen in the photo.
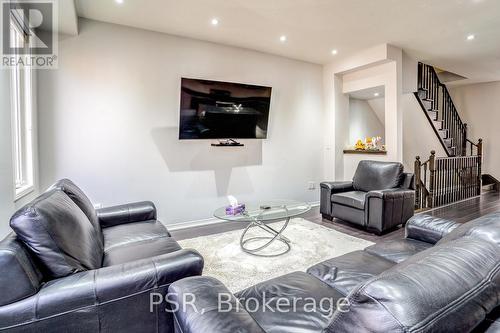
(376, 66)
(6, 171)
(479, 106)
(410, 73)
(108, 119)
(363, 121)
(378, 106)
(387, 75)
(419, 137)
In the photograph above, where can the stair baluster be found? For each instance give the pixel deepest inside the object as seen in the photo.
(450, 179)
(435, 100)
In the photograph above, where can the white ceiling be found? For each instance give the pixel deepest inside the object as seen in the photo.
(430, 30)
(368, 93)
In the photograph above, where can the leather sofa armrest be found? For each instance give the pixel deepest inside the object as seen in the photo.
(128, 213)
(385, 209)
(429, 229)
(115, 297)
(336, 187)
(408, 181)
(390, 193)
(204, 305)
(329, 188)
(138, 275)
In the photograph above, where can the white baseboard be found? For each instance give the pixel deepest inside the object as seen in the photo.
(192, 224)
(204, 222)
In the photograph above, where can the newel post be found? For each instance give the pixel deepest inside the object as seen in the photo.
(418, 183)
(432, 174)
(479, 165)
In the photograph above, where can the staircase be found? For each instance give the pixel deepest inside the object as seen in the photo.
(435, 100)
(457, 176)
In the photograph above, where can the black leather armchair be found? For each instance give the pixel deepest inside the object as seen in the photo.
(442, 277)
(70, 268)
(380, 196)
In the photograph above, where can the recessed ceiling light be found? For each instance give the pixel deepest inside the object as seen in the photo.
(215, 21)
(283, 39)
(334, 52)
(119, 1)
(471, 37)
(376, 94)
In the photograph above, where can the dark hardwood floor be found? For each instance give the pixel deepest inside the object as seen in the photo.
(462, 212)
(470, 209)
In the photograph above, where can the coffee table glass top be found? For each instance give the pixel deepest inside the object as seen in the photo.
(274, 210)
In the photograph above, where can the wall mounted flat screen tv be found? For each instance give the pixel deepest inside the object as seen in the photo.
(223, 110)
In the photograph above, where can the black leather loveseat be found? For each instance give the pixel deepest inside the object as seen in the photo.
(442, 277)
(70, 268)
(380, 197)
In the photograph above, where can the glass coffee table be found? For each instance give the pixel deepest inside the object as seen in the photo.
(260, 215)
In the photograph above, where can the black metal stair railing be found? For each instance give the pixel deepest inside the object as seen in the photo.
(443, 180)
(436, 101)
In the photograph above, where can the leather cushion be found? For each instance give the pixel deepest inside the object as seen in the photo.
(19, 277)
(79, 198)
(124, 234)
(139, 249)
(376, 175)
(216, 316)
(397, 250)
(84, 203)
(354, 199)
(447, 288)
(297, 287)
(486, 228)
(349, 214)
(429, 229)
(347, 271)
(59, 234)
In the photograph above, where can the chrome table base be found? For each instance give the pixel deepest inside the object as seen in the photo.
(274, 235)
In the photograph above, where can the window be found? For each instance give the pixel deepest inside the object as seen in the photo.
(22, 113)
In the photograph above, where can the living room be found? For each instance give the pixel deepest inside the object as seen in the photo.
(166, 159)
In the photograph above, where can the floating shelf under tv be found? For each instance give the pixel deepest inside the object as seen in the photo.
(228, 143)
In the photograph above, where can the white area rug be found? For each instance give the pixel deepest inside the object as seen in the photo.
(311, 243)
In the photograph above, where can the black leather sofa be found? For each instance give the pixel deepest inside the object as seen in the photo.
(442, 277)
(380, 197)
(70, 268)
